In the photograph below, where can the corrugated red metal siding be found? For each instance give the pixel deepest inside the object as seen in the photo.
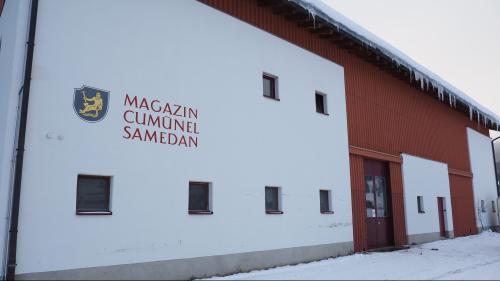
(464, 221)
(384, 113)
(358, 203)
(398, 205)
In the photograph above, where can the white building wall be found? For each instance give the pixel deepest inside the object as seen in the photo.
(187, 53)
(13, 34)
(483, 170)
(422, 177)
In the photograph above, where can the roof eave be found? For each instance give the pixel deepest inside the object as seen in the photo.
(308, 16)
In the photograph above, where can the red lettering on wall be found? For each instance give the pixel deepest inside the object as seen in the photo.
(130, 102)
(193, 141)
(150, 136)
(193, 113)
(196, 129)
(172, 139)
(137, 135)
(177, 109)
(127, 132)
(179, 125)
(158, 122)
(167, 109)
(144, 104)
(155, 109)
(163, 138)
(182, 141)
(154, 121)
(125, 116)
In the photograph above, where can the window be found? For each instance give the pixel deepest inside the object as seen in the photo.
(483, 206)
(270, 84)
(273, 202)
(370, 197)
(199, 198)
(493, 207)
(325, 202)
(321, 103)
(420, 203)
(92, 195)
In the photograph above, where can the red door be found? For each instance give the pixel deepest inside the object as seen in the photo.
(442, 214)
(378, 211)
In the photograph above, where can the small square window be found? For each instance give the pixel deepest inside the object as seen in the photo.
(273, 203)
(321, 105)
(270, 84)
(199, 198)
(420, 203)
(483, 206)
(325, 202)
(93, 193)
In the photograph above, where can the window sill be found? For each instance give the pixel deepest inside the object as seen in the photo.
(88, 213)
(328, 213)
(192, 212)
(321, 113)
(274, 212)
(271, 98)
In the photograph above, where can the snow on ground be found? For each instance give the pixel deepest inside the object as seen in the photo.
(473, 257)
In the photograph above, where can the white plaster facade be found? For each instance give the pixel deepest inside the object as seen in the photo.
(483, 182)
(246, 141)
(423, 177)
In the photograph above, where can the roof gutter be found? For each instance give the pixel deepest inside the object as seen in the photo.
(21, 139)
(425, 78)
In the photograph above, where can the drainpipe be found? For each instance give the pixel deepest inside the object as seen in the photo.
(497, 178)
(18, 172)
(495, 165)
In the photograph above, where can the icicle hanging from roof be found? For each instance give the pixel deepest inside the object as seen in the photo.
(317, 8)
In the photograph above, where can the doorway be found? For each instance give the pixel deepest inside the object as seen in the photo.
(378, 205)
(442, 216)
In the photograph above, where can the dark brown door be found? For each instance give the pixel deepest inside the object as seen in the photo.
(378, 211)
(442, 214)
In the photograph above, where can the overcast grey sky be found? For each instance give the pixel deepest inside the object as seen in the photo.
(457, 39)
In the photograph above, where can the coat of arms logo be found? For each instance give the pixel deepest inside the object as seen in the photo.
(91, 104)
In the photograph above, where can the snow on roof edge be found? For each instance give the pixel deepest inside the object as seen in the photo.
(327, 13)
